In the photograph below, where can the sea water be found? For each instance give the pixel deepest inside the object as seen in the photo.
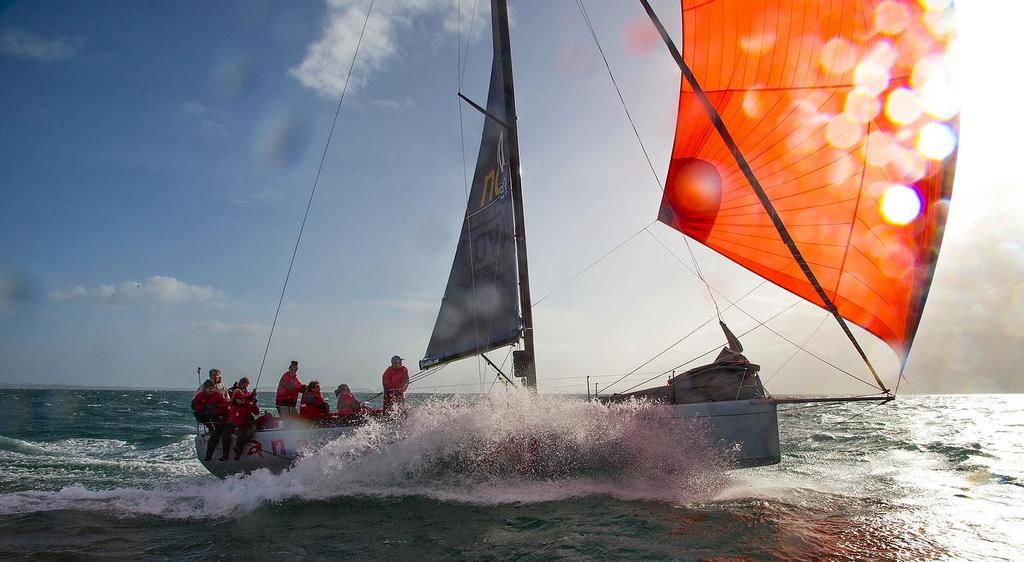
(113, 474)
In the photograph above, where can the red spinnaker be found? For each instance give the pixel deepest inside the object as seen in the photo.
(847, 117)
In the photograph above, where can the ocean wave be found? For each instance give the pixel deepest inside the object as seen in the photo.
(22, 447)
(504, 449)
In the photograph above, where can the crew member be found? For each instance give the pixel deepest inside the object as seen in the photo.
(396, 380)
(347, 403)
(211, 409)
(242, 416)
(215, 377)
(314, 407)
(288, 391)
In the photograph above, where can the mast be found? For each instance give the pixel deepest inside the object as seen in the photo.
(524, 360)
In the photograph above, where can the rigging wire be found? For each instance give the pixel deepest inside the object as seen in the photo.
(469, 40)
(465, 185)
(562, 285)
(312, 192)
(752, 317)
(798, 349)
(581, 6)
(713, 349)
(677, 342)
(593, 34)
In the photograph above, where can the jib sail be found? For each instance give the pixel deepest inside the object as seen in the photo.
(480, 309)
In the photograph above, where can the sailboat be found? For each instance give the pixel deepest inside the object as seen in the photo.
(784, 162)
(813, 147)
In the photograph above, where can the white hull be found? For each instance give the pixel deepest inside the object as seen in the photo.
(273, 449)
(749, 426)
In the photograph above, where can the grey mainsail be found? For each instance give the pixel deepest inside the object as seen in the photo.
(480, 309)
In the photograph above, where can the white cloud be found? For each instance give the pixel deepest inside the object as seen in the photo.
(393, 104)
(19, 43)
(327, 61)
(158, 289)
(193, 108)
(218, 327)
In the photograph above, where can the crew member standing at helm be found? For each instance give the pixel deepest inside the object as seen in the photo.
(396, 380)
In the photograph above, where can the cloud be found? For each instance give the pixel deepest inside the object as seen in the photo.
(246, 328)
(158, 289)
(386, 104)
(327, 60)
(218, 327)
(193, 108)
(19, 43)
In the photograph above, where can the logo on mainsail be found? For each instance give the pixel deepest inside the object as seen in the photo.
(496, 182)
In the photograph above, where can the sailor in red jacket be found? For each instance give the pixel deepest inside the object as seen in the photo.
(242, 414)
(314, 407)
(211, 409)
(348, 406)
(288, 391)
(396, 380)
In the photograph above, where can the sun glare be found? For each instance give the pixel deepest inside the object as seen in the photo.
(936, 141)
(900, 204)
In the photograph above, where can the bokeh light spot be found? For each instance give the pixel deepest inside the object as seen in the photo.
(837, 56)
(891, 18)
(902, 107)
(871, 76)
(936, 140)
(861, 106)
(841, 132)
(880, 149)
(900, 204)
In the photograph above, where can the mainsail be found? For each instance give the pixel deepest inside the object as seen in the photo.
(844, 113)
(480, 309)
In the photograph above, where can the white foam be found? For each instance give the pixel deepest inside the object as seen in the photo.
(504, 448)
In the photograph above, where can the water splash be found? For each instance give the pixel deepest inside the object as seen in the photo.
(500, 449)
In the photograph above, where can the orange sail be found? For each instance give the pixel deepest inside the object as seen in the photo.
(845, 113)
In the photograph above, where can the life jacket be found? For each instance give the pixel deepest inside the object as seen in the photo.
(244, 414)
(348, 405)
(313, 406)
(396, 379)
(288, 389)
(209, 407)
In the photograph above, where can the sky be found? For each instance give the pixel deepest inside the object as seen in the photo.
(156, 160)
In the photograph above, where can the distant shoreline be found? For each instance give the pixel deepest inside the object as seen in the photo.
(25, 386)
(132, 388)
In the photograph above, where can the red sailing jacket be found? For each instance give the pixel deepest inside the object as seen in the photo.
(348, 405)
(242, 415)
(313, 406)
(288, 389)
(396, 379)
(210, 405)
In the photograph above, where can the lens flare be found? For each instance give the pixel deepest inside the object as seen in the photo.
(900, 204)
(837, 56)
(936, 141)
(903, 107)
(891, 18)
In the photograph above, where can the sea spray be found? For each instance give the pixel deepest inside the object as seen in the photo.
(514, 447)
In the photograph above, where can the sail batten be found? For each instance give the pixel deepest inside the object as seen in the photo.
(480, 308)
(813, 148)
